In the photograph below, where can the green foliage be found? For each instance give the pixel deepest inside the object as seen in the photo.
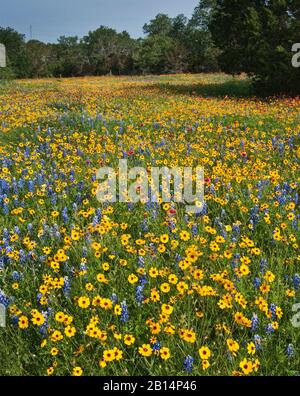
(178, 44)
(160, 54)
(40, 56)
(203, 53)
(69, 57)
(14, 42)
(161, 25)
(6, 73)
(256, 37)
(108, 51)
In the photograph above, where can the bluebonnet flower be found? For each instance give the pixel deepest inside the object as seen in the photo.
(156, 346)
(172, 225)
(22, 256)
(144, 226)
(140, 288)
(15, 320)
(257, 342)
(263, 265)
(5, 209)
(78, 198)
(39, 296)
(125, 314)
(290, 350)
(5, 233)
(269, 329)
(188, 363)
(272, 308)
(4, 300)
(17, 230)
(67, 286)
(43, 330)
(254, 322)
(139, 294)
(16, 276)
(295, 224)
(235, 230)
(141, 261)
(194, 230)
(295, 197)
(212, 189)
(154, 213)
(114, 298)
(254, 216)
(54, 199)
(30, 186)
(296, 281)
(83, 267)
(64, 214)
(96, 220)
(204, 208)
(84, 251)
(256, 282)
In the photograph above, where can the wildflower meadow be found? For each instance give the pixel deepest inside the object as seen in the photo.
(89, 288)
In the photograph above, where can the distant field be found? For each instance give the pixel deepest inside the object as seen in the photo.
(144, 289)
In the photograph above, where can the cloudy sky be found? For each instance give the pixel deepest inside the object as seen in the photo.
(52, 18)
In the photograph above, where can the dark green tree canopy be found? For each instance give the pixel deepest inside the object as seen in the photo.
(256, 37)
(161, 24)
(16, 52)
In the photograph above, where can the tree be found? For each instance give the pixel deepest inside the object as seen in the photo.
(108, 51)
(203, 53)
(256, 37)
(69, 55)
(40, 58)
(161, 24)
(14, 42)
(163, 50)
(203, 13)
(179, 27)
(159, 54)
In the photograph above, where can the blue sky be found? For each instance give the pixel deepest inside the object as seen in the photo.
(53, 18)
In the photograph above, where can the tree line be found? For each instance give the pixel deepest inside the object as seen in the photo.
(235, 36)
